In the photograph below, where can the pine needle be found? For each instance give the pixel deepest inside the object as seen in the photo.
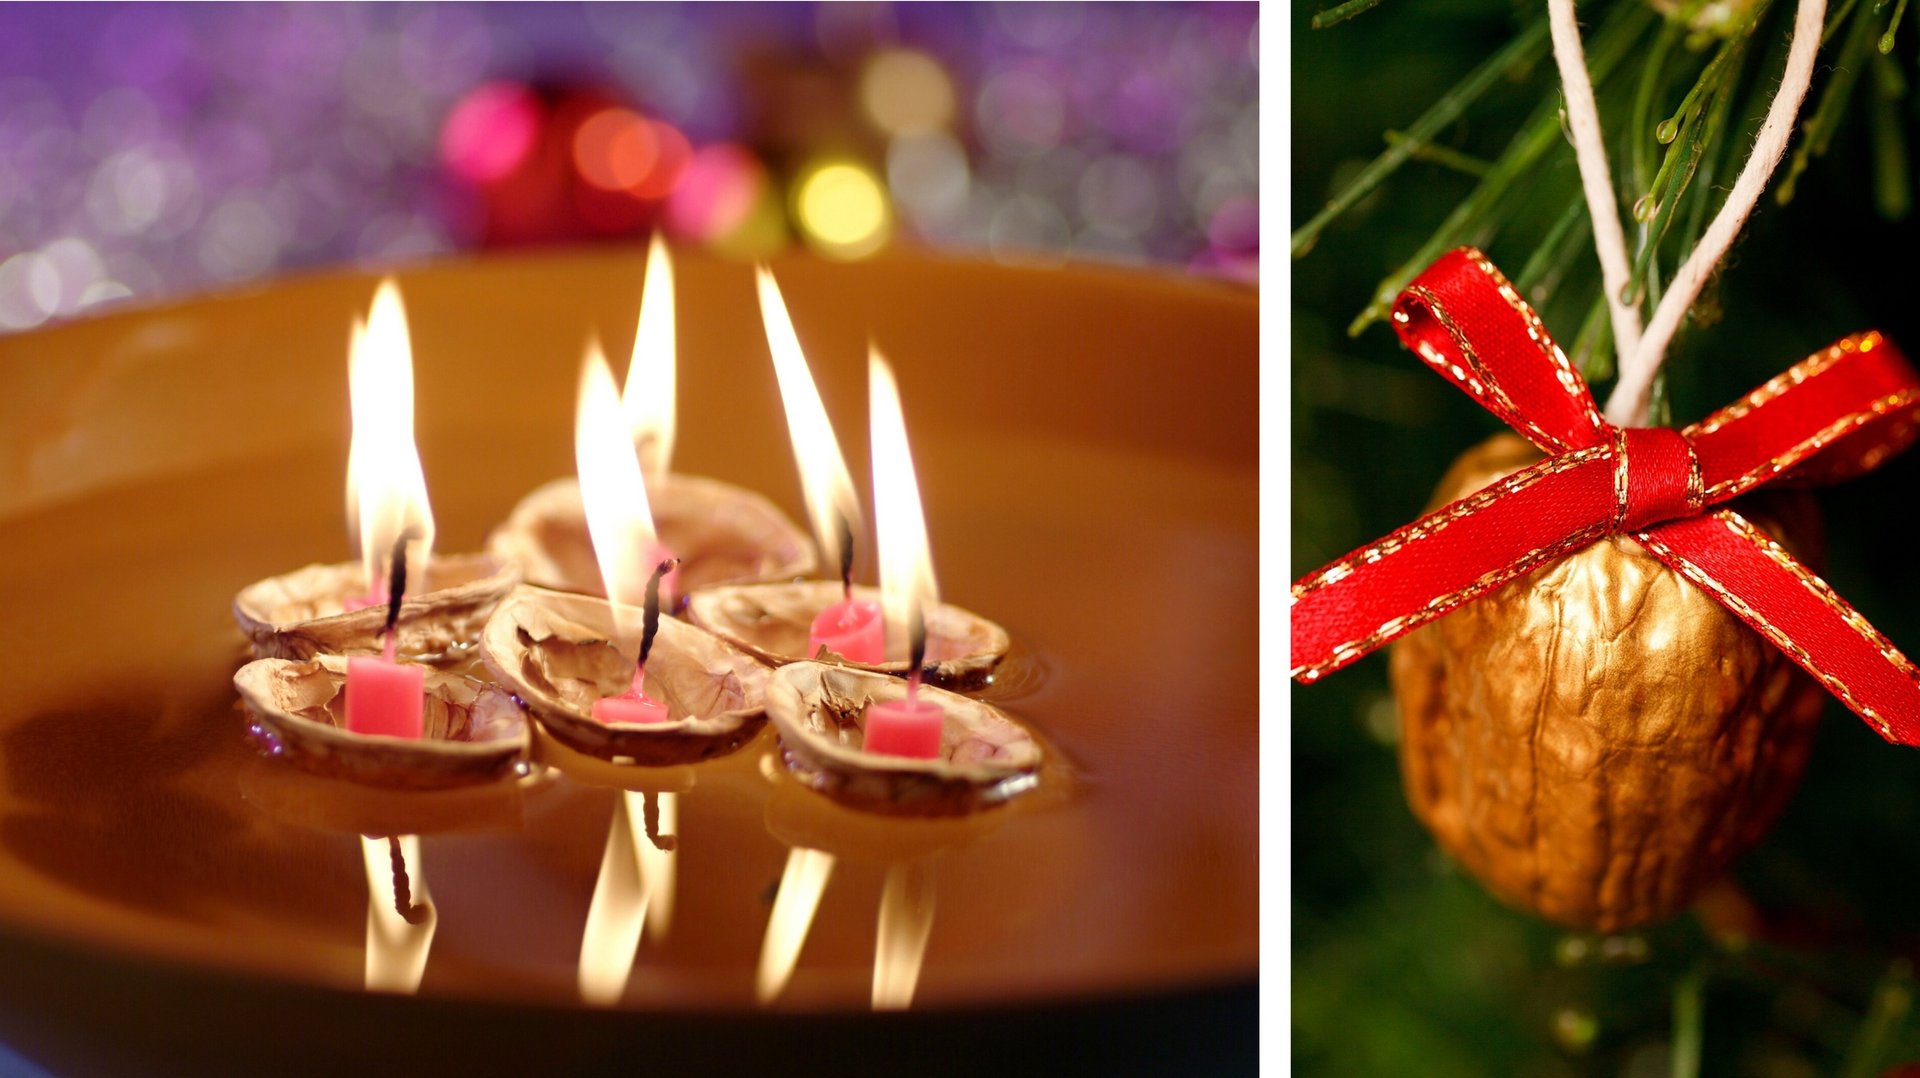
(1688, 1018)
(1538, 135)
(1530, 45)
(1886, 39)
(1340, 13)
(1441, 155)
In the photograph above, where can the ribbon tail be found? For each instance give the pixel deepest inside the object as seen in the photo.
(1382, 591)
(1743, 569)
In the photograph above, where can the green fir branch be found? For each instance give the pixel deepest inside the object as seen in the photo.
(1340, 13)
(1529, 46)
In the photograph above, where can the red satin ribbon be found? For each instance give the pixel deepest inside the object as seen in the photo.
(1834, 415)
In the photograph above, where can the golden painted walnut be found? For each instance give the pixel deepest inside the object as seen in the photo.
(1598, 740)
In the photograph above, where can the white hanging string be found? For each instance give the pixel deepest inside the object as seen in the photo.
(1642, 353)
(1627, 406)
(1590, 150)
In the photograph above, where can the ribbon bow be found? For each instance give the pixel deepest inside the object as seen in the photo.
(1834, 415)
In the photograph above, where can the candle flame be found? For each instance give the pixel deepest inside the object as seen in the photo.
(386, 487)
(619, 519)
(906, 920)
(649, 396)
(801, 886)
(907, 586)
(396, 948)
(824, 478)
(618, 911)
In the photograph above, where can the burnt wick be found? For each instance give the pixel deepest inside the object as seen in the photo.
(402, 891)
(397, 578)
(916, 650)
(846, 557)
(650, 814)
(651, 625)
(917, 640)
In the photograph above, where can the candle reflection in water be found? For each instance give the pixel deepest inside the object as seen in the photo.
(906, 920)
(900, 946)
(801, 885)
(400, 923)
(634, 892)
(657, 863)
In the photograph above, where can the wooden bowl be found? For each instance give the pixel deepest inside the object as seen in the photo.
(1086, 445)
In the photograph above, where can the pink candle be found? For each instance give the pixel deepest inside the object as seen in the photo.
(853, 628)
(385, 697)
(907, 727)
(632, 706)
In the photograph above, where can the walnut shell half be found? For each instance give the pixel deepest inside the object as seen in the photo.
(302, 614)
(774, 621)
(985, 756)
(721, 533)
(473, 733)
(560, 653)
(1596, 741)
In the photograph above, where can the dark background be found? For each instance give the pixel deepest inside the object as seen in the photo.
(1403, 965)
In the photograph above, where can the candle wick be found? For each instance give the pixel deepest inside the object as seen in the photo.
(650, 814)
(397, 582)
(402, 892)
(916, 651)
(846, 558)
(651, 625)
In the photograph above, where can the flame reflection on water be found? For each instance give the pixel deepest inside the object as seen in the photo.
(801, 886)
(397, 946)
(906, 920)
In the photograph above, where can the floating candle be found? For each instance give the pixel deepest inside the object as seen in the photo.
(634, 705)
(334, 609)
(908, 727)
(852, 628)
(384, 696)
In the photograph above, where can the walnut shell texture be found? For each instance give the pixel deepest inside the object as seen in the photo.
(722, 534)
(1598, 740)
(560, 652)
(302, 614)
(474, 733)
(774, 622)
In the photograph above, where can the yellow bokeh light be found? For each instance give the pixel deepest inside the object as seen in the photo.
(842, 209)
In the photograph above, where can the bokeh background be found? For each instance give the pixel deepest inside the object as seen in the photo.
(148, 150)
(1403, 965)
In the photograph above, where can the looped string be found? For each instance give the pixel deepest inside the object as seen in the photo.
(1642, 353)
